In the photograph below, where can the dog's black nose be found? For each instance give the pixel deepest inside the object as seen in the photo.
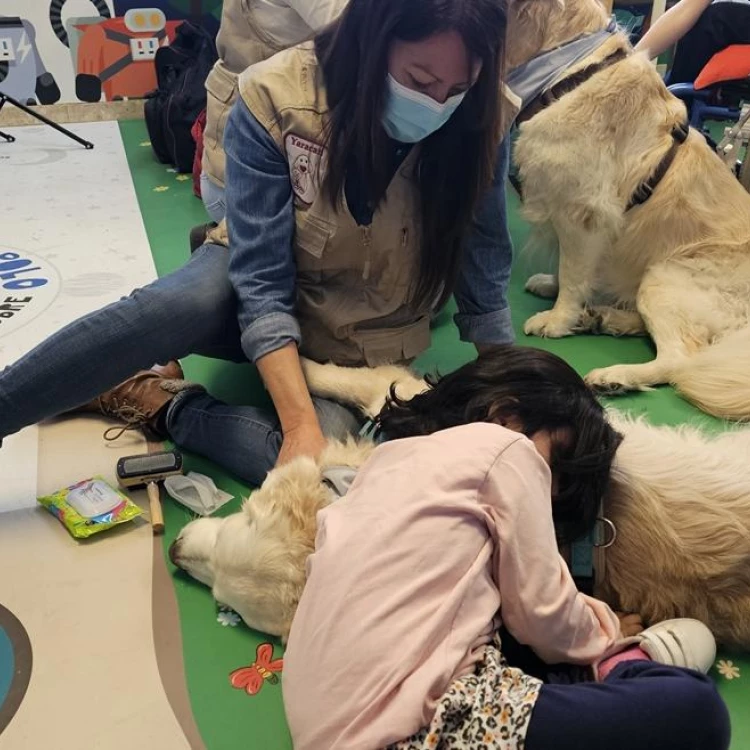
(174, 552)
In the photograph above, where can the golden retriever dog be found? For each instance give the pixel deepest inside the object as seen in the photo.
(677, 266)
(680, 503)
(254, 560)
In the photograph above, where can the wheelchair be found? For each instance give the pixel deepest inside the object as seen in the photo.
(726, 100)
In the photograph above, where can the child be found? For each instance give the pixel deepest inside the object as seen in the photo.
(443, 534)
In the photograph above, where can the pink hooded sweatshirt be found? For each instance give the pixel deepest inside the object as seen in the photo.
(437, 538)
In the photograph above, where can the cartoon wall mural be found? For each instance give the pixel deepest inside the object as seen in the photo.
(115, 56)
(205, 12)
(89, 50)
(22, 72)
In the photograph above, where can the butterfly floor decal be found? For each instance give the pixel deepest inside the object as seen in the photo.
(251, 679)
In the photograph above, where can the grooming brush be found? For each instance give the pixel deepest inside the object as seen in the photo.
(149, 469)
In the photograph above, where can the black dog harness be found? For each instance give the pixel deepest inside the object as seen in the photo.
(679, 131)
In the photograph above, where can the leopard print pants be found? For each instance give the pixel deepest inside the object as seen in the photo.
(486, 710)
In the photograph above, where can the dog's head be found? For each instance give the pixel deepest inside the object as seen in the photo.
(193, 549)
(254, 560)
(535, 26)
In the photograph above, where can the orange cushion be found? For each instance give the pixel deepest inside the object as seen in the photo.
(731, 64)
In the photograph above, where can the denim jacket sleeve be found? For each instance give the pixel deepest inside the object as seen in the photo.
(260, 221)
(481, 290)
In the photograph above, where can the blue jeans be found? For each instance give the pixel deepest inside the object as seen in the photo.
(213, 197)
(191, 311)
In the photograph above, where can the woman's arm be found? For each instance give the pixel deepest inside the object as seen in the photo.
(260, 223)
(282, 373)
(483, 313)
(671, 27)
(539, 602)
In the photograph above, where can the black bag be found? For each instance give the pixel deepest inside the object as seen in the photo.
(171, 110)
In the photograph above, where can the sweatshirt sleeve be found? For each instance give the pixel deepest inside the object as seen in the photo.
(540, 604)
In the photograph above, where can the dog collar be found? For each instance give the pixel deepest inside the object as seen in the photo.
(531, 79)
(588, 555)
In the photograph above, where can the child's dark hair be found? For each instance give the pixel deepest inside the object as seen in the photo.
(539, 391)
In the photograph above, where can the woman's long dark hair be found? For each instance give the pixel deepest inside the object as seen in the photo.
(455, 164)
(538, 391)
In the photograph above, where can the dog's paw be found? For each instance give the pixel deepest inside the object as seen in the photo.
(548, 324)
(611, 381)
(543, 285)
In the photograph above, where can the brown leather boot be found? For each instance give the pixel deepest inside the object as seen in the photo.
(138, 402)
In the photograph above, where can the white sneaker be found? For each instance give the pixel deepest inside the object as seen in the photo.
(679, 643)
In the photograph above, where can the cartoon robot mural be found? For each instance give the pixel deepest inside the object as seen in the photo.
(205, 13)
(22, 72)
(89, 49)
(113, 56)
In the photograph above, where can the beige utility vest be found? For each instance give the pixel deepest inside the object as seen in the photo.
(241, 42)
(353, 282)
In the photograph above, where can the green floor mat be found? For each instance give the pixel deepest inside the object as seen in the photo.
(215, 644)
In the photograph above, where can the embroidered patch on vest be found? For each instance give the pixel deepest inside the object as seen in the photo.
(307, 161)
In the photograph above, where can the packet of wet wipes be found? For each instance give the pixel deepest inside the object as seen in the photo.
(89, 507)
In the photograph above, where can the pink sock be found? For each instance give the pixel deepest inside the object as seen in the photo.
(634, 653)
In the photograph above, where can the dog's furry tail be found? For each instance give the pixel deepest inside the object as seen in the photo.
(717, 378)
(365, 388)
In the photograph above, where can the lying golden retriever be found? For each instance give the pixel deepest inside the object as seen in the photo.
(680, 502)
(676, 266)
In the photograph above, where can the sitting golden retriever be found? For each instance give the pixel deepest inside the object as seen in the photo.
(675, 266)
(680, 502)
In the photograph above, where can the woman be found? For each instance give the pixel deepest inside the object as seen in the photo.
(360, 196)
(448, 531)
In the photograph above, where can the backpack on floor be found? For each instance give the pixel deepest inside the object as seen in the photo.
(171, 110)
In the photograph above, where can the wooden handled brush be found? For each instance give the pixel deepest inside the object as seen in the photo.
(149, 469)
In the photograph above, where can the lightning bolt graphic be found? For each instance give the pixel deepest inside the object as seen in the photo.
(24, 47)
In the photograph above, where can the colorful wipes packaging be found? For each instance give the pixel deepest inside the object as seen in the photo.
(89, 507)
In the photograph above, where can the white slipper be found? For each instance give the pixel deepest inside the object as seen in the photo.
(676, 643)
(680, 643)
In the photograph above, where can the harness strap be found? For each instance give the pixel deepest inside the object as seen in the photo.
(679, 132)
(552, 94)
(646, 189)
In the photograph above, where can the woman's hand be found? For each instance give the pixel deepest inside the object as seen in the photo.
(630, 625)
(282, 373)
(303, 440)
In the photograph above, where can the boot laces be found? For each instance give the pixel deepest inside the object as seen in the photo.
(133, 418)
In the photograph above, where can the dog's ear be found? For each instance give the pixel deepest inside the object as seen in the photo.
(296, 489)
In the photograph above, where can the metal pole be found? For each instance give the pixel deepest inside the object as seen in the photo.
(8, 138)
(5, 98)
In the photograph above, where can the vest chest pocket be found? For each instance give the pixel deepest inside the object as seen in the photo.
(311, 236)
(322, 246)
(221, 88)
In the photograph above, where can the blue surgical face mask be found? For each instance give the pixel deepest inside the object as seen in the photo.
(410, 116)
